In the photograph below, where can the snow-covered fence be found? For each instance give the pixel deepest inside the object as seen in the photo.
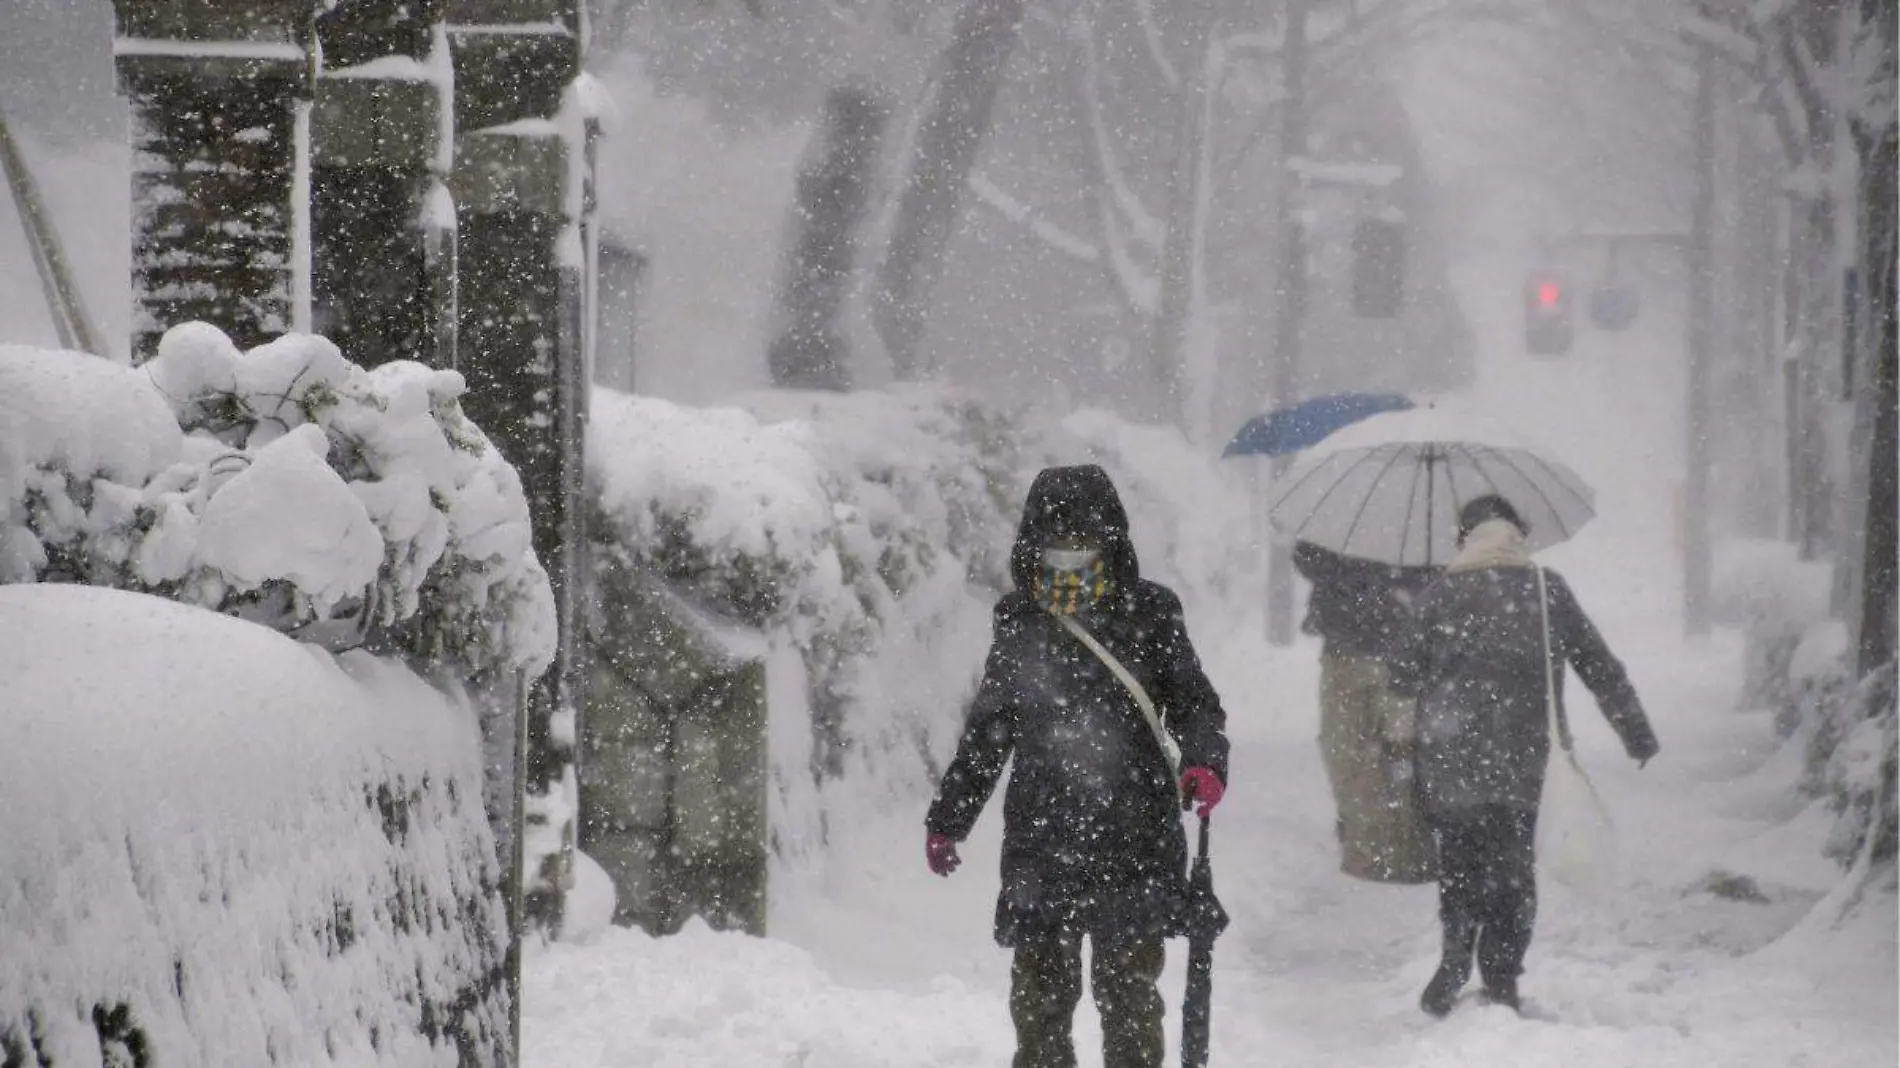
(223, 847)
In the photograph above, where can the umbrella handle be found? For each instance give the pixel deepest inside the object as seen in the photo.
(1203, 845)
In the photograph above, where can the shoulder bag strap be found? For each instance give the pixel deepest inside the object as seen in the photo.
(1559, 735)
(1169, 751)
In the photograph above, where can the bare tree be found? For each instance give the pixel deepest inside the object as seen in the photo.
(949, 135)
(809, 349)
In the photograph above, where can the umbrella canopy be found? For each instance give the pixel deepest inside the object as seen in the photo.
(1303, 425)
(1389, 488)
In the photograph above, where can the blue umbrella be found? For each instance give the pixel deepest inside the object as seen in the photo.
(1303, 425)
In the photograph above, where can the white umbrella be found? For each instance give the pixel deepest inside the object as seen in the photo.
(1389, 488)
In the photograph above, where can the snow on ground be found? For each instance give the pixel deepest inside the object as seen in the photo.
(891, 966)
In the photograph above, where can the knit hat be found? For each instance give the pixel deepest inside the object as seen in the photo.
(1490, 506)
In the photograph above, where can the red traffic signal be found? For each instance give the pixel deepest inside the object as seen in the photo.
(1547, 326)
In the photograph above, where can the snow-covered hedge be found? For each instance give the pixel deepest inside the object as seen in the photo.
(1777, 600)
(1797, 662)
(1852, 738)
(283, 484)
(223, 847)
(867, 535)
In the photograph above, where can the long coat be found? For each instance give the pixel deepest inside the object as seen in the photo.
(1092, 837)
(1366, 732)
(1475, 659)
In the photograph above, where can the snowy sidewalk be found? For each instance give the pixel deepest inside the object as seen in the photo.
(875, 963)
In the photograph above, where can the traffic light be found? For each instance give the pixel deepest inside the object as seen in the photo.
(1547, 326)
(1614, 306)
(1378, 268)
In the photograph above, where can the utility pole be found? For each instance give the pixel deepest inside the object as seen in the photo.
(1290, 318)
(1700, 261)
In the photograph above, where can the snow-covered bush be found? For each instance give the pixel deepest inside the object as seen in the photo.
(1778, 600)
(1797, 661)
(283, 484)
(1853, 741)
(223, 847)
(810, 516)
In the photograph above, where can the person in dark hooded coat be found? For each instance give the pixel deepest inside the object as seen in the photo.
(1092, 839)
(1475, 659)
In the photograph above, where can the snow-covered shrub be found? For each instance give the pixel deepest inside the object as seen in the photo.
(283, 484)
(1778, 600)
(1797, 662)
(811, 516)
(223, 847)
(1852, 739)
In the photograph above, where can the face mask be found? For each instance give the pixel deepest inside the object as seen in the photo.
(1070, 559)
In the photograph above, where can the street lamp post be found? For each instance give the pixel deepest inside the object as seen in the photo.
(1290, 316)
(1700, 262)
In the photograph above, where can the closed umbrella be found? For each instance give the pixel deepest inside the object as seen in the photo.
(1389, 487)
(1206, 919)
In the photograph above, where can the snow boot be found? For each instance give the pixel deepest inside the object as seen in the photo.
(1454, 967)
(1502, 992)
(1442, 992)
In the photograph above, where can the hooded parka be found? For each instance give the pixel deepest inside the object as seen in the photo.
(1092, 837)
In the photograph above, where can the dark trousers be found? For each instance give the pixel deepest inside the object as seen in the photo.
(1046, 984)
(1487, 891)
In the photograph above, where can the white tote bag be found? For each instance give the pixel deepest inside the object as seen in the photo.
(1576, 841)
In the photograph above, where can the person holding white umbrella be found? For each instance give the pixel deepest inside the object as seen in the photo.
(1485, 659)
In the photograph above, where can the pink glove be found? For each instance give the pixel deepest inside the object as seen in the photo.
(1201, 784)
(941, 854)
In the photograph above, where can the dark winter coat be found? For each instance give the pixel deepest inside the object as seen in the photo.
(1092, 837)
(1359, 606)
(1475, 660)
